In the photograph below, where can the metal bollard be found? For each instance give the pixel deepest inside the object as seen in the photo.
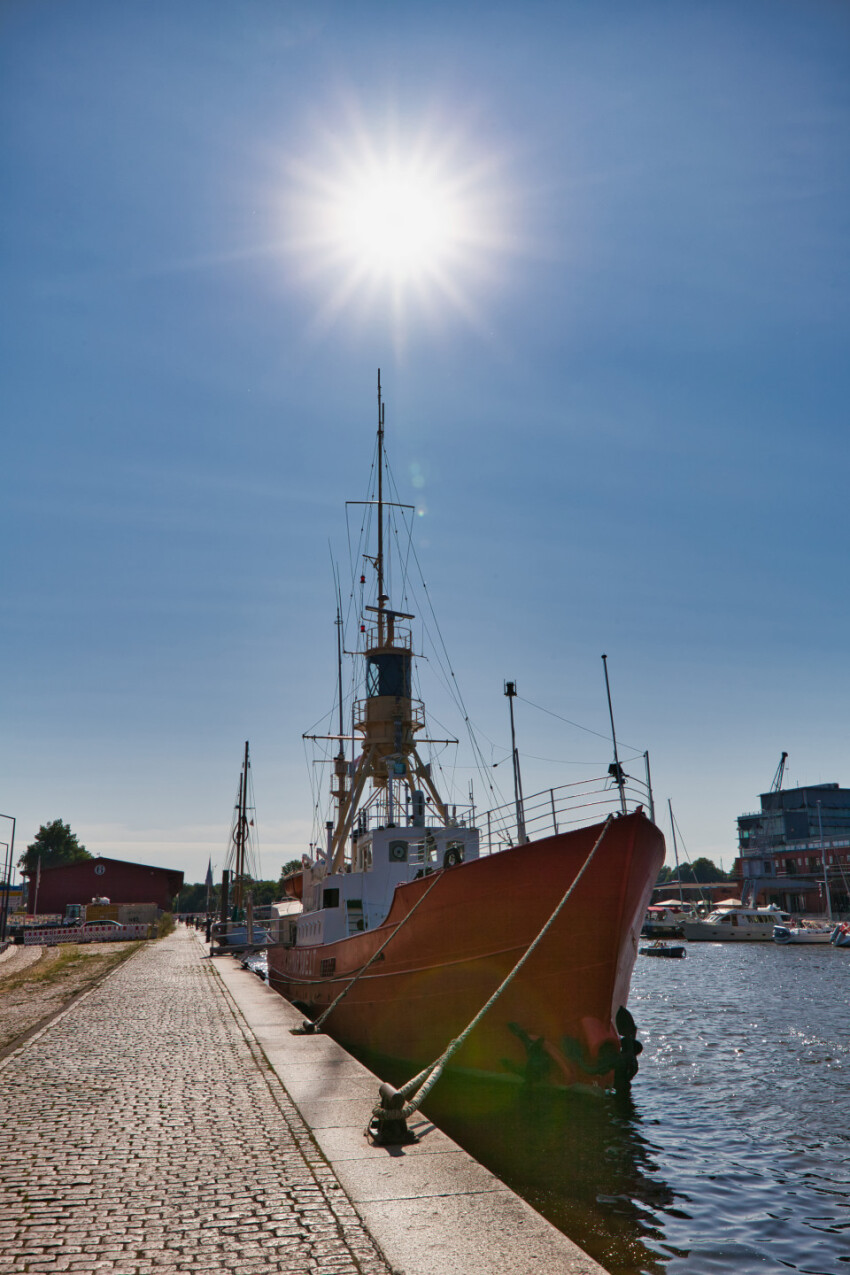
(390, 1129)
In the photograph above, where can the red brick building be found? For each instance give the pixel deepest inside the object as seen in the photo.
(117, 880)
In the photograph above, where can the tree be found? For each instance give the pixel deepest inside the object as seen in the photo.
(707, 870)
(193, 898)
(54, 843)
(701, 869)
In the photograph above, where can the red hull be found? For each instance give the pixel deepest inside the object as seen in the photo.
(477, 922)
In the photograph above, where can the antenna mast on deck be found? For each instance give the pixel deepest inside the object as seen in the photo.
(615, 770)
(522, 838)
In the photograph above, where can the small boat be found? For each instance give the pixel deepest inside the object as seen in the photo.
(664, 949)
(415, 912)
(841, 935)
(666, 920)
(737, 925)
(786, 934)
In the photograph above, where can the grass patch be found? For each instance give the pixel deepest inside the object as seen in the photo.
(57, 964)
(165, 925)
(47, 972)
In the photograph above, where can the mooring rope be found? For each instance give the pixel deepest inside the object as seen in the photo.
(316, 1025)
(429, 1077)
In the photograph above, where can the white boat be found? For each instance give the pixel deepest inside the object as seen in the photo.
(736, 925)
(840, 936)
(785, 934)
(665, 920)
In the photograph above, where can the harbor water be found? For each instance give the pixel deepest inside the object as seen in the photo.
(732, 1153)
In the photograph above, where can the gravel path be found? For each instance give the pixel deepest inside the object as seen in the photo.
(144, 1134)
(17, 958)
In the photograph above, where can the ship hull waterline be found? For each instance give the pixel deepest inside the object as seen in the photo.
(441, 966)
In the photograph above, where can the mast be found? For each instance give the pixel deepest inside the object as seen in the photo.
(649, 787)
(241, 832)
(380, 559)
(340, 764)
(387, 718)
(823, 859)
(675, 850)
(510, 691)
(616, 771)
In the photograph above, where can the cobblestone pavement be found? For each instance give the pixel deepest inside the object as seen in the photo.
(144, 1134)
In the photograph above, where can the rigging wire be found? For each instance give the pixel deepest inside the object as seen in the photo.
(443, 663)
(637, 751)
(687, 858)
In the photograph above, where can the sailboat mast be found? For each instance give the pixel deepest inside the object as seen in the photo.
(237, 865)
(675, 849)
(242, 829)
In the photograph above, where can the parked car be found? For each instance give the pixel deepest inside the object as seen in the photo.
(101, 929)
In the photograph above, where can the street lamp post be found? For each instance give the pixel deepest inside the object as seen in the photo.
(4, 891)
(10, 858)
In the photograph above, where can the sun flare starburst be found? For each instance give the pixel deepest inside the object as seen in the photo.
(400, 223)
(404, 226)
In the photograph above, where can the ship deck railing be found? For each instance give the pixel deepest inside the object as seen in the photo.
(548, 812)
(559, 809)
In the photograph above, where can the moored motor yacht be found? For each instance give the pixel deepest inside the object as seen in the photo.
(736, 925)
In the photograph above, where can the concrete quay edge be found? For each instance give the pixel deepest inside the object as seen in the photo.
(430, 1207)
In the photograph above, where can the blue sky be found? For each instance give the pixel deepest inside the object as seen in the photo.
(620, 404)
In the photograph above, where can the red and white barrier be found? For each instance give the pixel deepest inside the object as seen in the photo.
(91, 933)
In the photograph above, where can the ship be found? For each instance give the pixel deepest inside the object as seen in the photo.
(414, 911)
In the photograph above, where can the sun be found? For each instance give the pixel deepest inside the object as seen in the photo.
(398, 222)
(407, 223)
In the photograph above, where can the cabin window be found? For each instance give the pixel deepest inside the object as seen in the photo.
(330, 898)
(398, 852)
(388, 674)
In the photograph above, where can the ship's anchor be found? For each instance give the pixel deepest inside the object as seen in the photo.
(626, 1067)
(622, 1062)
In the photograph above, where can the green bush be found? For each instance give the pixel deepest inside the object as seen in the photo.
(165, 925)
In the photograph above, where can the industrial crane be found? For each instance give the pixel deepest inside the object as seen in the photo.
(780, 771)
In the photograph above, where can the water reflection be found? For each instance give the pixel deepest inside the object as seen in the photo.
(733, 1153)
(583, 1161)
